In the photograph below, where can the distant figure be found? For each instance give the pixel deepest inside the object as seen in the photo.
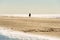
(29, 14)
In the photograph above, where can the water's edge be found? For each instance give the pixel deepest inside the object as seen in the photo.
(7, 34)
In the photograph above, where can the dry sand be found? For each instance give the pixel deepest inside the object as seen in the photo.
(44, 26)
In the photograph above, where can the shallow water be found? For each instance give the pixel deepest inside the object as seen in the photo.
(2, 37)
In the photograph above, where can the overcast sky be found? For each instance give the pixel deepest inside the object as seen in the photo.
(23, 6)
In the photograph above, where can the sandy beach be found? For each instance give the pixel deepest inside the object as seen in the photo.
(39, 26)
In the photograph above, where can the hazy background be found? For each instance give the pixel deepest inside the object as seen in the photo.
(12, 7)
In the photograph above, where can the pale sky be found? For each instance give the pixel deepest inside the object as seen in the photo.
(23, 6)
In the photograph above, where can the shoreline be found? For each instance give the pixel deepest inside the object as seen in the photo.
(17, 34)
(52, 34)
(31, 25)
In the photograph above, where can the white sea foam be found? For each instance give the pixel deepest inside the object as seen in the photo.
(24, 36)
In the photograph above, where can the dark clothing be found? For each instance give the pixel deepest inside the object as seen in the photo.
(29, 14)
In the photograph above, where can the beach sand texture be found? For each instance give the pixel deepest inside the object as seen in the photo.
(46, 26)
